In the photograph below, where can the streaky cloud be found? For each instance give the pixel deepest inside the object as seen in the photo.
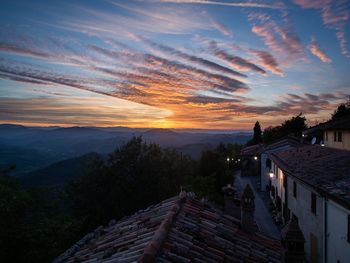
(235, 61)
(318, 52)
(335, 15)
(268, 61)
(219, 3)
(200, 61)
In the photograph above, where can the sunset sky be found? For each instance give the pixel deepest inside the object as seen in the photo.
(172, 63)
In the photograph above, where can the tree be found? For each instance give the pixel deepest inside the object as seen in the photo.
(32, 227)
(294, 126)
(257, 133)
(342, 111)
(135, 176)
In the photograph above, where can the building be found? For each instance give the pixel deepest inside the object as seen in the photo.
(250, 160)
(180, 229)
(312, 184)
(265, 163)
(333, 133)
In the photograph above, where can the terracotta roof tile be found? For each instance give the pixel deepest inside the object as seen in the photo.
(180, 229)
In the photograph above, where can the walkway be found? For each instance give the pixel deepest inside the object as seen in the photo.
(262, 215)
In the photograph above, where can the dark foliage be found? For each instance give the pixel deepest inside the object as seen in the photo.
(294, 126)
(343, 110)
(36, 225)
(135, 176)
(32, 227)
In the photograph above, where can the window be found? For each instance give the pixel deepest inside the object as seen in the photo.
(313, 203)
(340, 136)
(349, 228)
(326, 139)
(335, 136)
(295, 189)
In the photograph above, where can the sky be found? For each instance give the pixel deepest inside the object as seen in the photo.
(172, 63)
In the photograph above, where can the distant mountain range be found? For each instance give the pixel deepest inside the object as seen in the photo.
(33, 148)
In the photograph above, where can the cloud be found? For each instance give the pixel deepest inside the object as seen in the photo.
(310, 103)
(236, 62)
(163, 19)
(104, 111)
(207, 2)
(221, 28)
(261, 58)
(210, 100)
(318, 52)
(199, 61)
(342, 43)
(11, 48)
(335, 15)
(268, 61)
(186, 89)
(280, 40)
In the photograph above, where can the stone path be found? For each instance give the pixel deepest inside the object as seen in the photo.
(262, 215)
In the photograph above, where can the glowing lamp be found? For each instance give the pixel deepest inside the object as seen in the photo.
(255, 158)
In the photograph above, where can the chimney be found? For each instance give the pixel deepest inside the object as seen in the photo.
(247, 210)
(231, 207)
(293, 242)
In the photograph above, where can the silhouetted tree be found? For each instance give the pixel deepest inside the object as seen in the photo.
(294, 126)
(134, 176)
(257, 133)
(342, 111)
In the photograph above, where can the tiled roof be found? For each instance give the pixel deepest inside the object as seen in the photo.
(288, 141)
(339, 124)
(252, 150)
(180, 229)
(325, 169)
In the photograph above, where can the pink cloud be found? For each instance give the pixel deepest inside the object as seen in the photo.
(335, 15)
(281, 40)
(318, 52)
(268, 61)
(221, 28)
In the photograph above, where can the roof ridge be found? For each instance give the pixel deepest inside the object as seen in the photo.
(153, 247)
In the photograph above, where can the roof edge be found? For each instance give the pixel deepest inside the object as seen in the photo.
(153, 247)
